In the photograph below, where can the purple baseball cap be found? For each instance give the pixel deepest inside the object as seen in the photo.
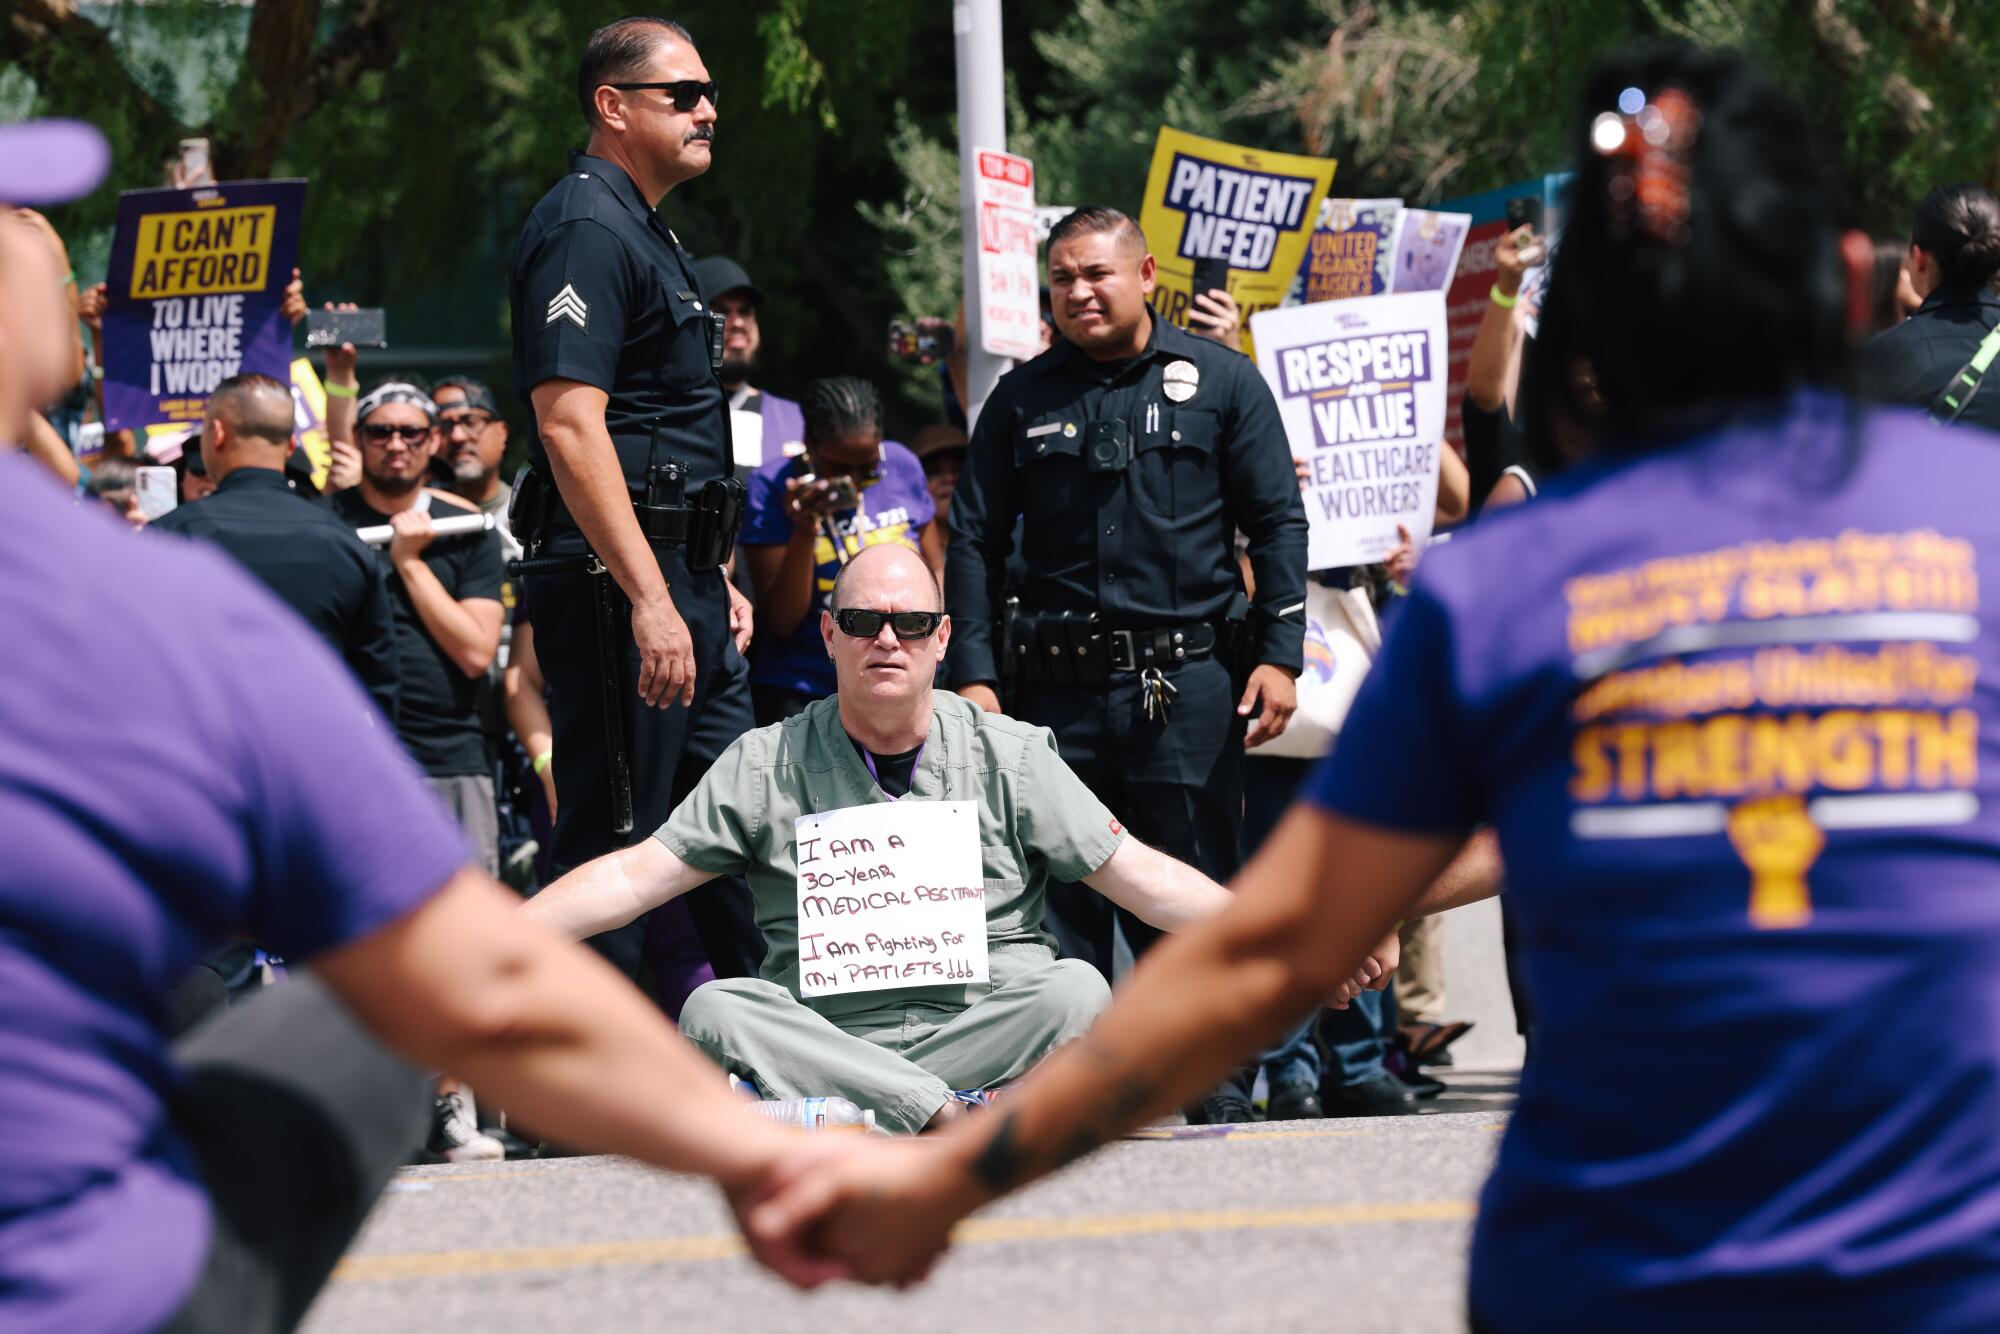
(50, 161)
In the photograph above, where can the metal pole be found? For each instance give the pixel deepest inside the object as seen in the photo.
(982, 123)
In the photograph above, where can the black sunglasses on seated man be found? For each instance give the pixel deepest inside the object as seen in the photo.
(863, 624)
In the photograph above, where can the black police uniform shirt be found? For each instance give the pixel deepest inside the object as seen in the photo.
(1148, 548)
(1917, 360)
(603, 294)
(311, 560)
(438, 719)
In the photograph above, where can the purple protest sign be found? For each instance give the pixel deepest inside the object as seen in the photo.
(196, 280)
(1360, 387)
(1352, 251)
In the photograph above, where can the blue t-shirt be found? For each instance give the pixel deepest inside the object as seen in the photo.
(1731, 710)
(249, 789)
(895, 509)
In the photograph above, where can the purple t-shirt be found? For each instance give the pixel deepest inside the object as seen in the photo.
(895, 509)
(247, 789)
(784, 424)
(1731, 709)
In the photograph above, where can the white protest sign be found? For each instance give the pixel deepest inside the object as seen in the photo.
(1361, 387)
(746, 438)
(1046, 218)
(890, 895)
(1010, 298)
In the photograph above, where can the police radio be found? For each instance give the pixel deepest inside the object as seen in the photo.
(715, 322)
(1107, 446)
(663, 514)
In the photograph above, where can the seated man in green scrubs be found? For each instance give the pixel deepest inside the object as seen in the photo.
(902, 1049)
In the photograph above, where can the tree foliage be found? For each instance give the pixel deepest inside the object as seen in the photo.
(429, 130)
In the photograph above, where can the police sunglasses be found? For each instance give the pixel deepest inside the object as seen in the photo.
(687, 93)
(868, 624)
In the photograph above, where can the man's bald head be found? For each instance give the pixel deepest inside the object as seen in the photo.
(886, 574)
(255, 407)
(248, 425)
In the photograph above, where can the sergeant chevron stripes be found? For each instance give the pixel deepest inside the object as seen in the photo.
(567, 305)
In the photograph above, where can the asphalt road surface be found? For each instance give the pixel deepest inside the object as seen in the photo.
(1358, 1225)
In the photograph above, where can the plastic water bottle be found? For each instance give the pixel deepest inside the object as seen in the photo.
(817, 1114)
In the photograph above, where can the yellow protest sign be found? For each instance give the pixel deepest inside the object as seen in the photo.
(309, 419)
(1246, 208)
(203, 253)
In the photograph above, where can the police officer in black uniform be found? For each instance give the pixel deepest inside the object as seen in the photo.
(300, 551)
(1136, 452)
(630, 472)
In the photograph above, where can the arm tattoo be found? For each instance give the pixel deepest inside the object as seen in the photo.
(1005, 1162)
(999, 1165)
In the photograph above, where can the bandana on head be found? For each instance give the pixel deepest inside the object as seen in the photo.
(395, 392)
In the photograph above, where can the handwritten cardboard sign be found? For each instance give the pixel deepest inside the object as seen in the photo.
(890, 895)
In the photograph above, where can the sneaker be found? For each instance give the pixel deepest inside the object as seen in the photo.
(455, 1133)
(981, 1098)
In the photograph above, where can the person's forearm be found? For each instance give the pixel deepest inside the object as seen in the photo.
(1454, 497)
(79, 360)
(1486, 366)
(340, 406)
(592, 484)
(597, 896)
(1200, 1001)
(1160, 890)
(468, 640)
(1181, 897)
(783, 599)
(550, 1032)
(528, 713)
(1475, 874)
(46, 445)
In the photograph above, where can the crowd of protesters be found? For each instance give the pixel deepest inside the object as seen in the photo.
(398, 562)
(431, 625)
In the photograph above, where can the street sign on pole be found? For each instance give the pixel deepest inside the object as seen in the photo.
(982, 120)
(1010, 307)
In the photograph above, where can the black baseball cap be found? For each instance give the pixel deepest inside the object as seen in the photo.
(477, 395)
(720, 275)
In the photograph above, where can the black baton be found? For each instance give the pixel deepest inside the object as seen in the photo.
(610, 679)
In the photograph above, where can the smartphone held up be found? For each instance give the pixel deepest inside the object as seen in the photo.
(923, 341)
(366, 327)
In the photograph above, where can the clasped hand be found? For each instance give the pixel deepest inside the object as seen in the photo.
(855, 1206)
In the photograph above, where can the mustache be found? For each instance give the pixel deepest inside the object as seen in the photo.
(700, 134)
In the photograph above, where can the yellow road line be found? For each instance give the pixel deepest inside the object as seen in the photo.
(1167, 1135)
(978, 1231)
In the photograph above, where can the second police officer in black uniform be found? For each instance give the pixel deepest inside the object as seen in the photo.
(1135, 452)
(630, 482)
